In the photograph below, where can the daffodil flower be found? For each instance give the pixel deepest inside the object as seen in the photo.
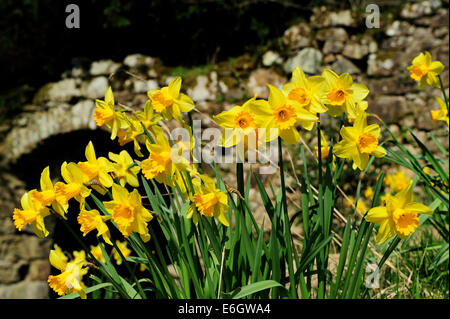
(398, 181)
(74, 186)
(343, 94)
(125, 169)
(278, 113)
(170, 102)
(441, 114)
(96, 251)
(31, 214)
(208, 201)
(398, 217)
(240, 120)
(361, 108)
(308, 93)
(359, 142)
(96, 168)
(105, 114)
(128, 213)
(70, 279)
(123, 247)
(159, 165)
(424, 70)
(47, 195)
(90, 220)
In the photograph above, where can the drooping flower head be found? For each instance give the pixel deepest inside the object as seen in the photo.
(398, 217)
(208, 201)
(72, 272)
(90, 220)
(31, 214)
(441, 114)
(47, 195)
(424, 70)
(74, 186)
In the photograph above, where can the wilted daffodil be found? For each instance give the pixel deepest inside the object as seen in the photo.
(74, 187)
(424, 70)
(90, 220)
(278, 113)
(47, 195)
(441, 114)
(307, 93)
(128, 213)
(96, 168)
(170, 102)
(208, 201)
(398, 217)
(105, 114)
(31, 214)
(359, 142)
(70, 279)
(342, 93)
(125, 169)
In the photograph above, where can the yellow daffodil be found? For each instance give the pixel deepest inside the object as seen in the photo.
(307, 93)
(240, 120)
(105, 114)
(368, 193)
(74, 186)
(128, 213)
(277, 113)
(324, 147)
(70, 279)
(397, 181)
(123, 247)
(96, 168)
(148, 117)
(424, 70)
(47, 195)
(125, 169)
(208, 201)
(343, 94)
(90, 220)
(359, 142)
(361, 207)
(398, 217)
(31, 214)
(441, 114)
(361, 108)
(160, 164)
(170, 102)
(96, 251)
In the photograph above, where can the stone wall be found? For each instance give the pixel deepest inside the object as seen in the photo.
(377, 58)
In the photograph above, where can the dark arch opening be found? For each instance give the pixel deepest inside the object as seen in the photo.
(70, 147)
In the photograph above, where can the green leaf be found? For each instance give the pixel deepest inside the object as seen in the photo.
(255, 287)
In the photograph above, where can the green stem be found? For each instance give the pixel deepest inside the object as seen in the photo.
(443, 91)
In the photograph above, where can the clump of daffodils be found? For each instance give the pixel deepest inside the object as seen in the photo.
(296, 106)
